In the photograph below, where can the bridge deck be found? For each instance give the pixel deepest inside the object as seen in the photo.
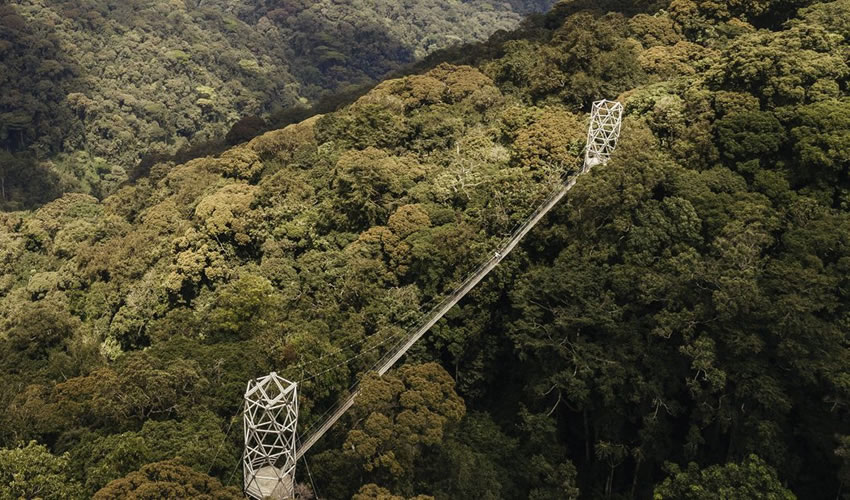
(438, 312)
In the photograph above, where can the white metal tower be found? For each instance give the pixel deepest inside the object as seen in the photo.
(270, 419)
(271, 402)
(605, 120)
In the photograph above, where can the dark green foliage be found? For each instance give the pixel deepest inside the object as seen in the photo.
(245, 129)
(96, 89)
(751, 479)
(39, 329)
(197, 442)
(686, 304)
(820, 142)
(587, 56)
(221, 271)
(742, 137)
(24, 182)
(32, 472)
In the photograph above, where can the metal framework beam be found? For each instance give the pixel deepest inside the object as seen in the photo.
(269, 420)
(606, 118)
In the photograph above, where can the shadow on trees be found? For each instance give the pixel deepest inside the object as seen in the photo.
(537, 27)
(36, 77)
(25, 183)
(247, 128)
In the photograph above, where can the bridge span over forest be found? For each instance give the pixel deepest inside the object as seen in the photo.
(272, 447)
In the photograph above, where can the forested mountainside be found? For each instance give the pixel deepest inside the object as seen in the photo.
(677, 328)
(91, 86)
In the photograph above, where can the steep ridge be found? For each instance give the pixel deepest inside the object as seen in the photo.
(95, 85)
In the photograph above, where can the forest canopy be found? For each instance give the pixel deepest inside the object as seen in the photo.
(676, 328)
(92, 87)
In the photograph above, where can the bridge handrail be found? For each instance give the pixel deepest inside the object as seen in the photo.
(440, 310)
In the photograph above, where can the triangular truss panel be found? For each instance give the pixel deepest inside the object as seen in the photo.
(605, 120)
(270, 419)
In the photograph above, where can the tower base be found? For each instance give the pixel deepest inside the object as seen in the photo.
(271, 483)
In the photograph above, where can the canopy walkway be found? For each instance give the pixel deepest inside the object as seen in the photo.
(602, 138)
(433, 316)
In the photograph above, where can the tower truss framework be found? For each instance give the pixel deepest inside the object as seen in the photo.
(271, 402)
(270, 419)
(605, 121)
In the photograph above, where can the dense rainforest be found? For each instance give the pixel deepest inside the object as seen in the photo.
(92, 87)
(678, 327)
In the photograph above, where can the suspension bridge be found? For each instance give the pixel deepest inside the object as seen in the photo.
(271, 403)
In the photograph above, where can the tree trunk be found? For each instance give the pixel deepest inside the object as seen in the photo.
(635, 478)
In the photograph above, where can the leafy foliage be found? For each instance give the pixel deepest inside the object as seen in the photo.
(166, 480)
(32, 472)
(93, 88)
(687, 304)
(750, 479)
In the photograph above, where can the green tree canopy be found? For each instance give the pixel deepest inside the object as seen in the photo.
(751, 478)
(167, 480)
(33, 472)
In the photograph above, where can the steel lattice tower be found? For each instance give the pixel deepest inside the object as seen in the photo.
(270, 419)
(271, 402)
(605, 120)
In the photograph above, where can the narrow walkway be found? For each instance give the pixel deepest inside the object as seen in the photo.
(431, 318)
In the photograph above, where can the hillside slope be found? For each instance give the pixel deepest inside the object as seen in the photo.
(104, 82)
(679, 326)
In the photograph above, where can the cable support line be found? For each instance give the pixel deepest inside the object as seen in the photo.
(409, 329)
(411, 336)
(320, 419)
(354, 386)
(356, 356)
(365, 339)
(337, 350)
(351, 389)
(328, 411)
(314, 375)
(309, 474)
(540, 200)
(502, 243)
(230, 477)
(403, 346)
(556, 186)
(400, 333)
(226, 435)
